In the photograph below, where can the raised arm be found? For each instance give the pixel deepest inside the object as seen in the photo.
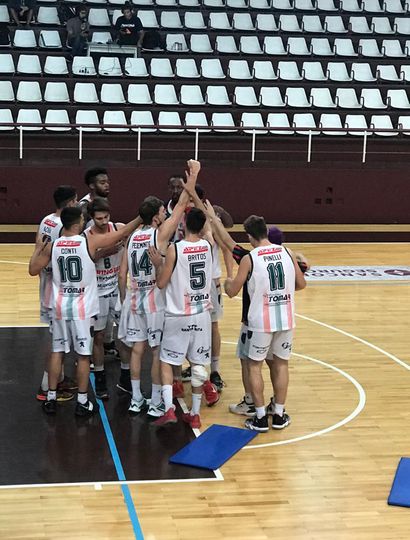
(233, 285)
(100, 241)
(41, 256)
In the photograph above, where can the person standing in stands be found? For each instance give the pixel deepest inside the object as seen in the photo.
(78, 29)
(128, 28)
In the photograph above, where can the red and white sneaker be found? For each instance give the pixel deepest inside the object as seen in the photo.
(211, 393)
(193, 420)
(168, 418)
(178, 389)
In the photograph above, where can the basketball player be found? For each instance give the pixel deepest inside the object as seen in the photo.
(142, 317)
(175, 188)
(273, 275)
(75, 298)
(50, 229)
(186, 275)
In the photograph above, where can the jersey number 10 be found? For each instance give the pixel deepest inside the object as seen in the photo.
(70, 268)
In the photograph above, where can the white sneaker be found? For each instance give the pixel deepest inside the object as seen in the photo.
(137, 406)
(156, 410)
(243, 408)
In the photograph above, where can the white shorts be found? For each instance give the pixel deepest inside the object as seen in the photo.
(261, 345)
(217, 302)
(46, 316)
(135, 327)
(109, 308)
(187, 336)
(79, 333)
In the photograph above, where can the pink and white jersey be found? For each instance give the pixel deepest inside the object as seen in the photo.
(271, 288)
(107, 268)
(189, 290)
(144, 295)
(75, 295)
(51, 227)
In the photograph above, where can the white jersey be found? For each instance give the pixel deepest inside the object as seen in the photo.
(75, 295)
(107, 268)
(180, 231)
(189, 290)
(84, 202)
(271, 287)
(216, 263)
(51, 227)
(144, 295)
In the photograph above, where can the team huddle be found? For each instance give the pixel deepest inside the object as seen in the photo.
(158, 279)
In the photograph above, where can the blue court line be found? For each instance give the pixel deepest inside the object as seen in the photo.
(118, 467)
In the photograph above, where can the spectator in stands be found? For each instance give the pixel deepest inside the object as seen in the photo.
(78, 29)
(128, 28)
(22, 10)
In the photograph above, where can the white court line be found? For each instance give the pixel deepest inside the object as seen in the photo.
(13, 262)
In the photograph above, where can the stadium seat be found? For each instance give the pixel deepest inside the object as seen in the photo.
(115, 14)
(289, 23)
(112, 93)
(143, 2)
(351, 5)
(29, 64)
(259, 4)
(57, 116)
(337, 71)
(98, 17)
(7, 64)
(312, 24)
(50, 39)
(326, 5)
(356, 121)
(250, 45)
(24, 39)
(166, 3)
(48, 15)
(369, 48)
(88, 117)
(313, 71)
(398, 99)
(263, 70)
(6, 91)
(237, 4)
(347, 99)
(139, 94)
(29, 91)
(29, 116)
(84, 66)
(194, 20)
(359, 25)
(279, 120)
(402, 25)
(321, 47)
(223, 119)
(101, 37)
(242, 21)
(322, 98)
(109, 66)
(217, 95)
(148, 18)
(169, 118)
(334, 24)
(226, 45)
(56, 92)
(382, 121)
(115, 118)
(5, 118)
(395, 6)
(170, 20)
(288, 71)
(404, 123)
(85, 93)
(273, 45)
(392, 49)
(296, 97)
(304, 123)
(344, 47)
(298, 47)
(196, 119)
(265, 22)
(372, 99)
(244, 96)
(381, 25)
(270, 96)
(191, 94)
(211, 68)
(388, 73)
(362, 72)
(372, 6)
(253, 120)
(4, 14)
(201, 44)
(186, 68)
(161, 67)
(135, 67)
(331, 121)
(176, 43)
(239, 69)
(189, 3)
(164, 94)
(405, 72)
(214, 3)
(219, 21)
(55, 65)
(282, 5)
(143, 118)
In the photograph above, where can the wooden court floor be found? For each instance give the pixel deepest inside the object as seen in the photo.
(327, 476)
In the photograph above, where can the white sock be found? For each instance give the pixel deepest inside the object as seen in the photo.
(82, 398)
(214, 364)
(167, 395)
(260, 412)
(125, 366)
(98, 368)
(279, 409)
(248, 399)
(196, 404)
(44, 382)
(156, 394)
(51, 394)
(136, 390)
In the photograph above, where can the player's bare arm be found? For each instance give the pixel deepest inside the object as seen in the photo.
(218, 228)
(41, 256)
(300, 282)
(106, 252)
(163, 270)
(232, 286)
(122, 276)
(100, 241)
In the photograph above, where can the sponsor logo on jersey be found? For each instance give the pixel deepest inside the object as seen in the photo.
(269, 251)
(279, 297)
(195, 249)
(107, 272)
(198, 298)
(173, 354)
(50, 223)
(68, 243)
(141, 238)
(203, 350)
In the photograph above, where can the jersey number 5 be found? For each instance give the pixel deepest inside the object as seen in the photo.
(197, 275)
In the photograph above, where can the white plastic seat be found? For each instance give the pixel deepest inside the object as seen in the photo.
(87, 117)
(201, 44)
(359, 25)
(98, 17)
(170, 19)
(59, 116)
(265, 22)
(237, 4)
(322, 98)
(270, 96)
(186, 68)
(135, 67)
(259, 4)
(109, 66)
(29, 64)
(398, 99)
(321, 47)
(221, 120)
(166, 3)
(288, 71)
(164, 94)
(211, 68)
(219, 21)
(388, 73)
(392, 48)
(250, 45)
(29, 91)
(84, 66)
(112, 93)
(161, 67)
(50, 39)
(4, 14)
(191, 94)
(196, 119)
(55, 65)
(381, 25)
(344, 47)
(244, 96)
(304, 124)
(263, 70)
(402, 25)
(171, 119)
(48, 15)
(405, 72)
(372, 99)
(139, 94)
(7, 64)
(296, 97)
(24, 39)
(29, 116)
(273, 45)
(56, 92)
(115, 118)
(6, 118)
(101, 37)
(326, 5)
(298, 47)
(217, 95)
(395, 6)
(279, 120)
(334, 24)
(362, 72)
(239, 69)
(351, 5)
(312, 24)
(356, 121)
(194, 20)
(304, 5)
(6, 91)
(372, 6)
(176, 43)
(226, 45)
(189, 3)
(142, 118)
(313, 71)
(404, 123)
(148, 18)
(214, 3)
(143, 2)
(85, 93)
(115, 15)
(289, 23)
(253, 120)
(282, 5)
(331, 121)
(347, 98)
(337, 71)
(242, 21)
(382, 121)
(369, 48)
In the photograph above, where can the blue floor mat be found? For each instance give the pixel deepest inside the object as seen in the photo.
(213, 447)
(400, 491)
